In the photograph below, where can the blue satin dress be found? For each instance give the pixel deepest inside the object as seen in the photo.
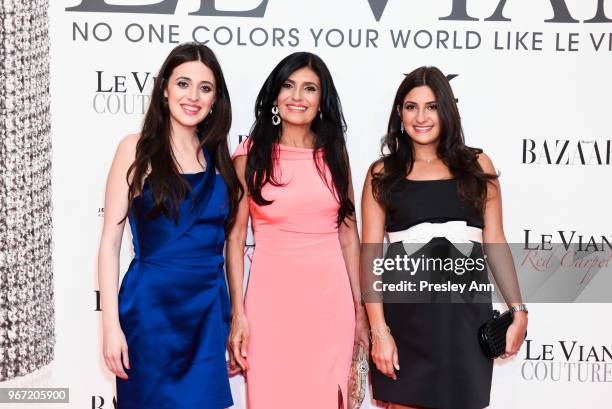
(173, 303)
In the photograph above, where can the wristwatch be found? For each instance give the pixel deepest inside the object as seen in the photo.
(519, 307)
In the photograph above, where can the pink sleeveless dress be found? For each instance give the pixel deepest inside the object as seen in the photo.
(298, 299)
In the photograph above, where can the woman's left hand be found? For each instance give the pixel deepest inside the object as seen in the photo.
(362, 328)
(515, 334)
(233, 368)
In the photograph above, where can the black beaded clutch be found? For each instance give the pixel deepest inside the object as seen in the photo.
(492, 334)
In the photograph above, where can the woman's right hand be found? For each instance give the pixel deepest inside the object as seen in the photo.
(384, 352)
(115, 351)
(239, 340)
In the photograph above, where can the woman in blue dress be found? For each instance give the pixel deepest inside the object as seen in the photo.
(165, 331)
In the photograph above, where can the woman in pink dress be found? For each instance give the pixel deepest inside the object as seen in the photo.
(294, 335)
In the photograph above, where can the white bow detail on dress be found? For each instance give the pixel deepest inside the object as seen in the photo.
(457, 232)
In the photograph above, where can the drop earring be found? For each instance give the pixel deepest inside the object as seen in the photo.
(402, 128)
(275, 118)
(320, 115)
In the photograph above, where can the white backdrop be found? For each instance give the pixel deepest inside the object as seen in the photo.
(509, 96)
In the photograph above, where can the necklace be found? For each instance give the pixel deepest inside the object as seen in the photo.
(429, 160)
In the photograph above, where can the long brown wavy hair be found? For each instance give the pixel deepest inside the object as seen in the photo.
(154, 150)
(398, 150)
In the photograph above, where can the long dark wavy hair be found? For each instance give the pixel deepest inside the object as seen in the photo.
(328, 129)
(154, 152)
(398, 149)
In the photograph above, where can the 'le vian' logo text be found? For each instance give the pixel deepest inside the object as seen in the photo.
(561, 13)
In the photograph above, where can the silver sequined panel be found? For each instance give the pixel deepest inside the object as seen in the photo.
(27, 335)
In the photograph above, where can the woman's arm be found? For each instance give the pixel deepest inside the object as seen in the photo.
(115, 207)
(499, 257)
(349, 242)
(384, 350)
(236, 241)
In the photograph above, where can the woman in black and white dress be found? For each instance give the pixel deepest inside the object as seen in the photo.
(427, 190)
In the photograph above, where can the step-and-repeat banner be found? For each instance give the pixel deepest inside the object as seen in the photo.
(533, 83)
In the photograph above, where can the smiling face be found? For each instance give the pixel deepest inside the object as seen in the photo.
(299, 97)
(419, 113)
(190, 92)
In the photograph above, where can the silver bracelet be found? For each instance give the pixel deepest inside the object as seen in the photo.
(519, 307)
(377, 334)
